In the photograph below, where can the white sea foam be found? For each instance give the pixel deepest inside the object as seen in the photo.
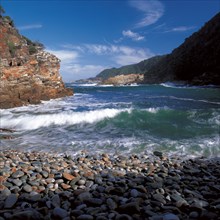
(31, 122)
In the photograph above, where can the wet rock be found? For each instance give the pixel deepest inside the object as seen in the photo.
(85, 217)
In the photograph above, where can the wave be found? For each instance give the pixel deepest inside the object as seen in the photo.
(32, 122)
(183, 85)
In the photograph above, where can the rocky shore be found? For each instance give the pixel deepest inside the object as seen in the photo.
(48, 186)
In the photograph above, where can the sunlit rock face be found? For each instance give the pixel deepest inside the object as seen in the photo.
(28, 74)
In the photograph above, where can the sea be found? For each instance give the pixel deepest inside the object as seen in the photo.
(136, 119)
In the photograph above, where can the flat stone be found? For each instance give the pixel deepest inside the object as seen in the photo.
(17, 182)
(18, 174)
(111, 204)
(10, 201)
(68, 176)
(27, 188)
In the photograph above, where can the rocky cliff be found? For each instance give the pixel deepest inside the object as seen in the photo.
(124, 79)
(196, 61)
(28, 74)
(138, 68)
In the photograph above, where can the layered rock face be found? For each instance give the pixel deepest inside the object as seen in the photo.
(124, 79)
(28, 74)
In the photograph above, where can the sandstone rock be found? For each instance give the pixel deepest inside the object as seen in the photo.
(26, 77)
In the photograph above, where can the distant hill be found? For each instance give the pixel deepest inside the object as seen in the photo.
(196, 61)
(138, 68)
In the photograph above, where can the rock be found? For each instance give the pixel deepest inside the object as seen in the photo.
(10, 201)
(55, 200)
(85, 217)
(28, 74)
(27, 215)
(18, 174)
(68, 176)
(84, 196)
(111, 204)
(129, 208)
(170, 216)
(27, 188)
(93, 201)
(60, 213)
(134, 193)
(17, 182)
(158, 153)
(123, 217)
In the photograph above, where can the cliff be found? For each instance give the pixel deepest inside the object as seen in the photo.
(124, 79)
(138, 68)
(196, 61)
(28, 74)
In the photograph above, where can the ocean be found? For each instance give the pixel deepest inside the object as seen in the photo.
(135, 119)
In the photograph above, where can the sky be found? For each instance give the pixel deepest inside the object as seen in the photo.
(90, 36)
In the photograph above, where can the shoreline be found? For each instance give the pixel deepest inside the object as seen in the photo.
(48, 186)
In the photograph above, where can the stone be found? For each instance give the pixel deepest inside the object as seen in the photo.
(10, 201)
(129, 208)
(111, 204)
(18, 174)
(134, 193)
(68, 176)
(85, 217)
(170, 216)
(55, 200)
(17, 182)
(60, 213)
(27, 188)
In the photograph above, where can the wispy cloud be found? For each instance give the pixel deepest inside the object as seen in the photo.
(134, 36)
(152, 9)
(66, 56)
(119, 54)
(180, 29)
(31, 26)
(76, 59)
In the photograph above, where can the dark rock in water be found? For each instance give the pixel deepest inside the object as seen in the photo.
(158, 153)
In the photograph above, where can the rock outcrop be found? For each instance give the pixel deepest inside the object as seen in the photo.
(138, 68)
(196, 61)
(28, 74)
(124, 79)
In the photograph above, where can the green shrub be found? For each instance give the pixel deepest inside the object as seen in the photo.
(12, 48)
(32, 49)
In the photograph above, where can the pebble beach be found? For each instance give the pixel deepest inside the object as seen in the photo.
(43, 185)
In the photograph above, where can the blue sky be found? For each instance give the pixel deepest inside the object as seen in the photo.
(89, 36)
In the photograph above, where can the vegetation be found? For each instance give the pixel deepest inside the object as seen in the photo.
(2, 11)
(12, 48)
(138, 68)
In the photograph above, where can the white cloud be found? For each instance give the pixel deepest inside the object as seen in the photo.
(31, 26)
(77, 71)
(152, 9)
(134, 36)
(120, 54)
(66, 56)
(73, 56)
(180, 29)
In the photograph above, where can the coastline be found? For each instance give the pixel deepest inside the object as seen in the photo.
(48, 186)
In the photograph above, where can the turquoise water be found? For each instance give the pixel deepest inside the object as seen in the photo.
(127, 119)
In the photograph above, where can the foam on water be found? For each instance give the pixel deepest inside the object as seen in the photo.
(31, 122)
